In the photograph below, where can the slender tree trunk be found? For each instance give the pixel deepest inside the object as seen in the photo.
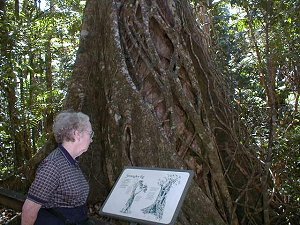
(268, 78)
(49, 80)
(17, 9)
(49, 83)
(3, 8)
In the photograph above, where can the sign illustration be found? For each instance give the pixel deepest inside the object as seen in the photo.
(137, 188)
(148, 195)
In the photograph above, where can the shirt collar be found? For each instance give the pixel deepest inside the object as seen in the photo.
(68, 156)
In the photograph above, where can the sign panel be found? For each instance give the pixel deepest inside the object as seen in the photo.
(148, 195)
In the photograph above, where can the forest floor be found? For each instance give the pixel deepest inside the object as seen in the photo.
(7, 214)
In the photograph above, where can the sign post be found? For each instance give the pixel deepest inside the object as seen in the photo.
(151, 196)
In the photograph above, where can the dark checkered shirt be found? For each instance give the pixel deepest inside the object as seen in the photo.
(59, 182)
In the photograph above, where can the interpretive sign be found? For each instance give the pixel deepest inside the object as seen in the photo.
(148, 195)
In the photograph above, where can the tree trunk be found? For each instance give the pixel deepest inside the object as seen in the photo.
(144, 76)
(9, 88)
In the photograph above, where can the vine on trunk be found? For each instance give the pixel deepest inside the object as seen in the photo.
(168, 64)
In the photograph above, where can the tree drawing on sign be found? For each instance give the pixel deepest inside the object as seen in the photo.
(157, 208)
(137, 188)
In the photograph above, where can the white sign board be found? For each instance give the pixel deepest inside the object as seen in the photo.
(148, 195)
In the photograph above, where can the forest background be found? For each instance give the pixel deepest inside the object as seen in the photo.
(254, 44)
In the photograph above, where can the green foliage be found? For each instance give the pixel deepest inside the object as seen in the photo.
(38, 48)
(275, 27)
(287, 153)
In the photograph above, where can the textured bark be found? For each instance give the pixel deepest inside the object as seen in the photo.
(144, 76)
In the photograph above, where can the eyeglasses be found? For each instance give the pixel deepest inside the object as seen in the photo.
(91, 133)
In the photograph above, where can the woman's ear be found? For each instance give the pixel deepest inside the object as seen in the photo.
(77, 135)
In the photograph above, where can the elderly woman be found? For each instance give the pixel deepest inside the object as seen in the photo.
(59, 192)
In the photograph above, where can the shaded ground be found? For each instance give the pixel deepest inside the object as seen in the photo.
(7, 215)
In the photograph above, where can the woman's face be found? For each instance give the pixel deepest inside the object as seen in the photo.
(86, 138)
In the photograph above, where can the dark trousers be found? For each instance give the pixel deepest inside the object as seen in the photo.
(46, 218)
(59, 216)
